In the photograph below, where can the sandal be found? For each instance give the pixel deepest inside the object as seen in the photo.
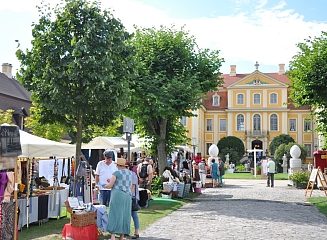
(135, 236)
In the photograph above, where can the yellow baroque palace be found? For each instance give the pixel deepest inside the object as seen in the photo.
(253, 107)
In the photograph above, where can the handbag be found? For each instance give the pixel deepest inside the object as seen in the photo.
(135, 204)
(63, 177)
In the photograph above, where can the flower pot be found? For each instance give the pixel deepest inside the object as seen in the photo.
(300, 185)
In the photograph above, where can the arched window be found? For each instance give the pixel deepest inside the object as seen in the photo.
(240, 122)
(216, 100)
(256, 124)
(273, 122)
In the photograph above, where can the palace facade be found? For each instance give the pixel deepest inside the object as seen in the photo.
(253, 107)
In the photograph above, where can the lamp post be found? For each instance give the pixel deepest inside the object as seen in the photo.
(129, 130)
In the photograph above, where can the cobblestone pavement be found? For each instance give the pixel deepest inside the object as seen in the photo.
(244, 209)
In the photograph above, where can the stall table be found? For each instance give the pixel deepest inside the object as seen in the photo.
(89, 232)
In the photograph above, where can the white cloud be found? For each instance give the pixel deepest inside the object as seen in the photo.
(267, 35)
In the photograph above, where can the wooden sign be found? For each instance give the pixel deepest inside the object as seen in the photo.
(316, 173)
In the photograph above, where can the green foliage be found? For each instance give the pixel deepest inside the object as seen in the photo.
(300, 176)
(283, 138)
(285, 149)
(232, 145)
(79, 68)
(240, 168)
(172, 77)
(156, 185)
(6, 116)
(308, 72)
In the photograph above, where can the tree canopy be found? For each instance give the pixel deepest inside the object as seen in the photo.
(308, 75)
(79, 67)
(173, 76)
(283, 138)
(233, 146)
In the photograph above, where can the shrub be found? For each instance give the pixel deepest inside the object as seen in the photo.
(300, 176)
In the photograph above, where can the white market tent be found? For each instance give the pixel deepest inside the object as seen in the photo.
(34, 146)
(107, 142)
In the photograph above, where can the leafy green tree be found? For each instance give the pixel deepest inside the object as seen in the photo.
(173, 76)
(285, 148)
(232, 145)
(308, 75)
(283, 138)
(6, 116)
(79, 68)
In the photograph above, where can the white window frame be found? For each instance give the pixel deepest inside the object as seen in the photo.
(273, 117)
(222, 127)
(240, 99)
(307, 125)
(292, 122)
(216, 100)
(208, 144)
(240, 122)
(273, 98)
(256, 98)
(209, 122)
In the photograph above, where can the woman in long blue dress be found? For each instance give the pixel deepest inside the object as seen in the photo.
(119, 217)
(214, 172)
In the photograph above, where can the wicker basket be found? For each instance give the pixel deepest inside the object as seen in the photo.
(82, 219)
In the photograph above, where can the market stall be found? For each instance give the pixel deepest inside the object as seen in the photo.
(39, 204)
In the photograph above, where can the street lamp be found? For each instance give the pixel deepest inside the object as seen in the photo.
(128, 128)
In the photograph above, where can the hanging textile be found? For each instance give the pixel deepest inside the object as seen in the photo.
(0, 220)
(43, 207)
(10, 187)
(8, 220)
(3, 183)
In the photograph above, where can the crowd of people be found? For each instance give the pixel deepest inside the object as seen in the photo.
(118, 181)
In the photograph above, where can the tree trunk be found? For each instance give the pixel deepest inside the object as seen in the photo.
(78, 151)
(162, 155)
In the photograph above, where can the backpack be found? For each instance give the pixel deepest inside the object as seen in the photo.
(144, 170)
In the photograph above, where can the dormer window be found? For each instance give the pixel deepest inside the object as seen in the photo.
(216, 100)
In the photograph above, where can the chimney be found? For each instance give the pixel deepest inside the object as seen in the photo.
(232, 70)
(281, 68)
(6, 69)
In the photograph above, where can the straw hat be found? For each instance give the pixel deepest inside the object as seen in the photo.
(121, 161)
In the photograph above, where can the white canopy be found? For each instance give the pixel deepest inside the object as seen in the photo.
(185, 148)
(106, 142)
(34, 146)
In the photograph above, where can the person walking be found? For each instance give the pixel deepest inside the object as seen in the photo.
(120, 205)
(203, 172)
(270, 172)
(103, 173)
(145, 174)
(221, 171)
(135, 193)
(214, 172)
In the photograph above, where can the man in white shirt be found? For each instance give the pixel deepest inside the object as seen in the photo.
(270, 172)
(103, 173)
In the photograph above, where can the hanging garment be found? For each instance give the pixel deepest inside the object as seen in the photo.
(43, 207)
(10, 186)
(0, 220)
(8, 220)
(3, 183)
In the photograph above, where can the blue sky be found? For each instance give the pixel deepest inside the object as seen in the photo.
(245, 31)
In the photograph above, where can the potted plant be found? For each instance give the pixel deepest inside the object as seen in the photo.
(258, 169)
(300, 178)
